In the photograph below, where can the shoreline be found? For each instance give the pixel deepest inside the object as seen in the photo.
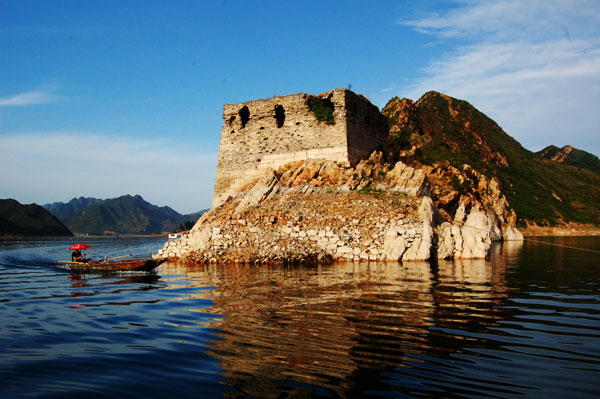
(84, 236)
(571, 229)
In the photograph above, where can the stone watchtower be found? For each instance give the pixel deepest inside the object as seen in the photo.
(338, 125)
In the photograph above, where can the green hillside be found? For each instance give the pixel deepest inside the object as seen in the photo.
(438, 128)
(569, 155)
(61, 210)
(126, 215)
(29, 221)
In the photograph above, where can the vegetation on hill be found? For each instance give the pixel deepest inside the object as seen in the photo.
(186, 226)
(29, 221)
(439, 129)
(126, 215)
(569, 155)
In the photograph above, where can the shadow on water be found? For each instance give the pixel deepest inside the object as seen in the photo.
(145, 280)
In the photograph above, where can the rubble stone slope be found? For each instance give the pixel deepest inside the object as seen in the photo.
(322, 211)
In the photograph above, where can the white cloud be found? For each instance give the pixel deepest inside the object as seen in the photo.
(38, 96)
(511, 19)
(48, 167)
(533, 66)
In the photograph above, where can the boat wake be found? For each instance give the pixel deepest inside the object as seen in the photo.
(29, 262)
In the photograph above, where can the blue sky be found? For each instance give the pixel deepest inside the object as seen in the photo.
(105, 98)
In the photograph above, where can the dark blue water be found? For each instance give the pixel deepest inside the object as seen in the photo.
(525, 323)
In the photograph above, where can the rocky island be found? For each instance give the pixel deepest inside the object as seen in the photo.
(327, 178)
(330, 177)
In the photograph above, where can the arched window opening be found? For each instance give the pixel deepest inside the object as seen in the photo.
(244, 115)
(279, 115)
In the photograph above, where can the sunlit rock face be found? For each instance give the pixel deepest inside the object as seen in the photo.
(322, 211)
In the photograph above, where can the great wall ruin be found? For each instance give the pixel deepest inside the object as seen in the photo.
(262, 134)
(300, 178)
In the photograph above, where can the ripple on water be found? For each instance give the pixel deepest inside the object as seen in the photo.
(511, 326)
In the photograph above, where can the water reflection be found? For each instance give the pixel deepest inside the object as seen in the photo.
(80, 280)
(525, 322)
(90, 285)
(338, 328)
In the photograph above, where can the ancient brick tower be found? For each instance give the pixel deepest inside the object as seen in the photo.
(338, 125)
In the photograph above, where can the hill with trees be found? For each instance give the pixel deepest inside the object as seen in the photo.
(442, 131)
(18, 220)
(569, 155)
(61, 209)
(123, 215)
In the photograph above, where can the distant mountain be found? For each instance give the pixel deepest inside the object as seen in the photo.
(438, 129)
(29, 221)
(124, 215)
(61, 210)
(569, 155)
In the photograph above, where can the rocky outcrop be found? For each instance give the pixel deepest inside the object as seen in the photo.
(414, 243)
(321, 211)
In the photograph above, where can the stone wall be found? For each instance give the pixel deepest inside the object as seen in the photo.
(268, 133)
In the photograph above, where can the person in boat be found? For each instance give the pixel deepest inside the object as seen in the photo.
(77, 256)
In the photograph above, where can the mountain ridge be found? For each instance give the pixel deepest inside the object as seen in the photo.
(441, 130)
(61, 209)
(126, 214)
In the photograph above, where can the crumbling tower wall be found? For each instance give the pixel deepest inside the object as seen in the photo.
(338, 125)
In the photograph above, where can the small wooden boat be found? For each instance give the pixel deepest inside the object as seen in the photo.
(138, 265)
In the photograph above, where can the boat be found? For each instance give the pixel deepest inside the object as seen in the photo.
(180, 234)
(137, 265)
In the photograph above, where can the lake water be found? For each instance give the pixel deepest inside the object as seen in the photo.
(525, 323)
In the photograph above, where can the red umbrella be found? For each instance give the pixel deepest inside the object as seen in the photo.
(79, 246)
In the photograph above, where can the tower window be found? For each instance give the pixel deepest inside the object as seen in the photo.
(279, 115)
(244, 115)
